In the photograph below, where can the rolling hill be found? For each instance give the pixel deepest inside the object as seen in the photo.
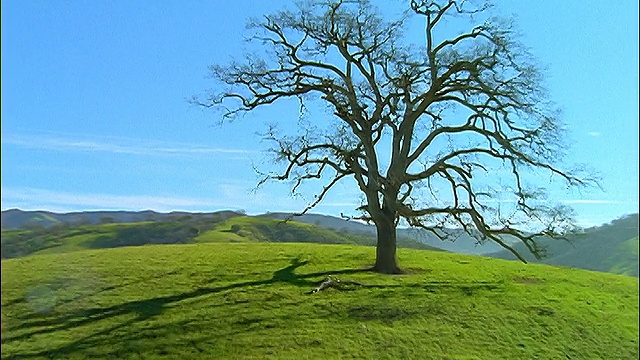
(56, 239)
(250, 301)
(463, 244)
(611, 247)
(14, 219)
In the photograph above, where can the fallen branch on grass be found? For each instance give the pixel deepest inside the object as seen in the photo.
(332, 282)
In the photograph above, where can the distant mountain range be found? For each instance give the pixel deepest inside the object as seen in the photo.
(16, 219)
(611, 247)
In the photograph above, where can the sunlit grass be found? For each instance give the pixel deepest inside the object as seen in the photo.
(247, 300)
(254, 229)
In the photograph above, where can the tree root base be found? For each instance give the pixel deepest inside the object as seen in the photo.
(388, 271)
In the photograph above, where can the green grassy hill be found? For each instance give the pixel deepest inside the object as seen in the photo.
(17, 243)
(624, 258)
(611, 247)
(252, 229)
(463, 244)
(247, 301)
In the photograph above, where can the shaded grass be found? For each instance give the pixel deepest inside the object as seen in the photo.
(610, 247)
(247, 300)
(624, 258)
(16, 243)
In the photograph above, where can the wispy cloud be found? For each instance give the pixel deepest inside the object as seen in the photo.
(34, 198)
(228, 197)
(594, 133)
(71, 143)
(232, 196)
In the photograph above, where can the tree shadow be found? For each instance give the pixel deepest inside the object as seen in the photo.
(288, 275)
(25, 298)
(144, 309)
(468, 288)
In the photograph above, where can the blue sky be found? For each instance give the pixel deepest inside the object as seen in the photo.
(94, 114)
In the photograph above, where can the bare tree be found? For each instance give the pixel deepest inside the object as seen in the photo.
(435, 134)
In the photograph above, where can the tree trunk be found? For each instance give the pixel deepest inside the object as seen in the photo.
(386, 261)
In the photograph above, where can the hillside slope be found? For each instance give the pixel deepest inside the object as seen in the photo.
(249, 228)
(463, 244)
(17, 243)
(248, 301)
(611, 247)
(608, 248)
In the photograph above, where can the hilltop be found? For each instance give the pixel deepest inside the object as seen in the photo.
(249, 301)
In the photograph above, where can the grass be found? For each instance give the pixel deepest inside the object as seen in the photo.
(610, 247)
(624, 258)
(255, 229)
(262, 229)
(17, 243)
(248, 301)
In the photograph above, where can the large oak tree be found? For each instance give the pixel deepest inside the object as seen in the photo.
(435, 133)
